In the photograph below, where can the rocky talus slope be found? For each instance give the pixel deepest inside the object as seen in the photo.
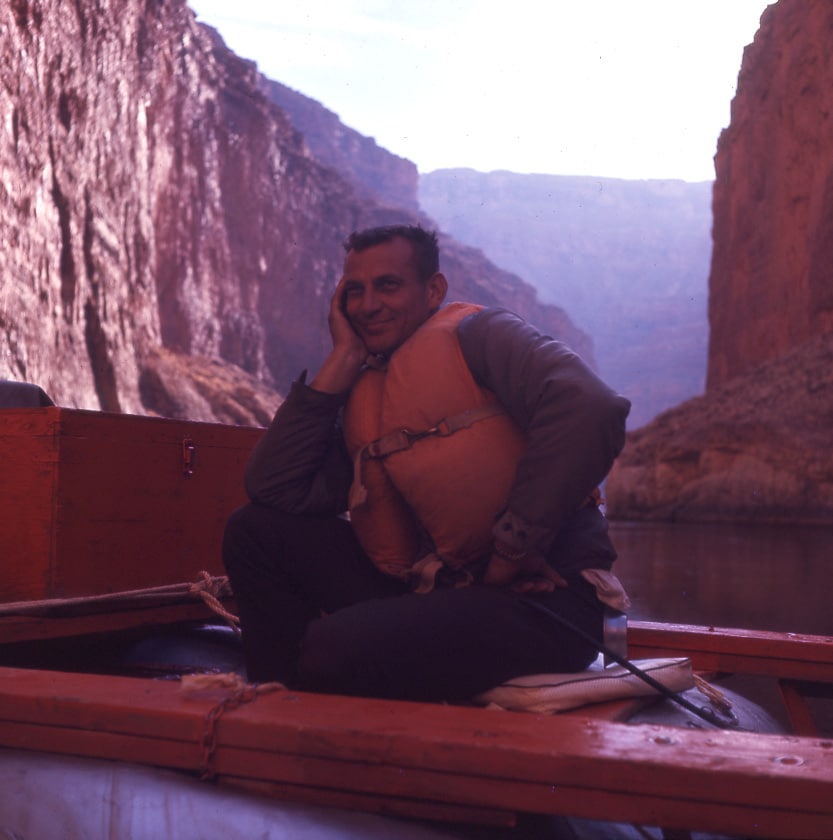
(759, 444)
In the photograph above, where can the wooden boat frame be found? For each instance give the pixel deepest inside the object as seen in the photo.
(418, 760)
(452, 763)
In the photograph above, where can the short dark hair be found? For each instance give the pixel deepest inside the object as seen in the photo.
(424, 242)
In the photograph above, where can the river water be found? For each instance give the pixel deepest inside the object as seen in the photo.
(757, 577)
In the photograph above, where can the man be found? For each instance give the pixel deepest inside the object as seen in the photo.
(467, 447)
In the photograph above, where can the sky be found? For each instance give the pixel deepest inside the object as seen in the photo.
(633, 89)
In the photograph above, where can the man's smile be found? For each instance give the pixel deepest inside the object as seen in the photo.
(375, 326)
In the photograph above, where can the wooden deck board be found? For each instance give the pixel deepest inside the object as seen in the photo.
(757, 785)
(784, 655)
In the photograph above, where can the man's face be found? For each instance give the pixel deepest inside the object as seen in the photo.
(384, 298)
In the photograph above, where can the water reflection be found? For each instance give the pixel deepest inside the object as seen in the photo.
(752, 576)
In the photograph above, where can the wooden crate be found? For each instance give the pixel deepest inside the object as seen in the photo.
(93, 503)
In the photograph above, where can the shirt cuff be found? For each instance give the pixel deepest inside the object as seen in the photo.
(306, 397)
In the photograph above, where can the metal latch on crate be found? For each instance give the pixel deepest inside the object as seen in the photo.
(189, 455)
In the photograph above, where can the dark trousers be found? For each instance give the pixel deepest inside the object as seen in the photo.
(318, 616)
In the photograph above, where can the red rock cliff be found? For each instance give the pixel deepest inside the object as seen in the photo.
(771, 282)
(170, 241)
(150, 198)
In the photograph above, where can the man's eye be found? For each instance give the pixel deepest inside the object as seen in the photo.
(389, 285)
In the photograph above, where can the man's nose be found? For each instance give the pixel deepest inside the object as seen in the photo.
(370, 301)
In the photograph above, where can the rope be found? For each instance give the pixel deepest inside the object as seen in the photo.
(242, 692)
(715, 695)
(209, 589)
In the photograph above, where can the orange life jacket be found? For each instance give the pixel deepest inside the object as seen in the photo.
(432, 450)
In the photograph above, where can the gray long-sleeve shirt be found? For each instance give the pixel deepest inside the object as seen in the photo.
(573, 423)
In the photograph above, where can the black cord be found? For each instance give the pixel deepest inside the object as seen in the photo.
(707, 714)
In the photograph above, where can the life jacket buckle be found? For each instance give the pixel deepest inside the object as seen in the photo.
(412, 435)
(403, 438)
(444, 428)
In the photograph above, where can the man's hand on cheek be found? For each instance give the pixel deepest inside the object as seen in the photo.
(343, 364)
(345, 338)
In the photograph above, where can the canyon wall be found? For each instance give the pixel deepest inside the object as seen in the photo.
(170, 239)
(757, 445)
(629, 260)
(379, 175)
(393, 183)
(771, 282)
(139, 170)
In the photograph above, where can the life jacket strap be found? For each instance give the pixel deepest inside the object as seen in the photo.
(404, 438)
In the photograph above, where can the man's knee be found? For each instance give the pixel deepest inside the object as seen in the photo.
(235, 531)
(250, 531)
(338, 656)
(325, 663)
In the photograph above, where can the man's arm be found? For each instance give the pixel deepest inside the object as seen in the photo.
(301, 464)
(573, 423)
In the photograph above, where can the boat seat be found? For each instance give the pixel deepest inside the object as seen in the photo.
(549, 693)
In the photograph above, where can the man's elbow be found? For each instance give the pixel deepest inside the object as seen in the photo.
(260, 492)
(608, 411)
(617, 418)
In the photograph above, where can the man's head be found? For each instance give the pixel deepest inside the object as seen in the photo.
(392, 284)
(424, 242)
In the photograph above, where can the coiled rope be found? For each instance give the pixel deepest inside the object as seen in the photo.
(195, 685)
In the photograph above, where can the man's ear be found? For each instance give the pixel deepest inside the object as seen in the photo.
(437, 287)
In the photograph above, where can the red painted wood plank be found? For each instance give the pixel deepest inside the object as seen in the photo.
(368, 784)
(786, 655)
(511, 760)
(27, 496)
(566, 796)
(96, 502)
(124, 478)
(798, 712)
